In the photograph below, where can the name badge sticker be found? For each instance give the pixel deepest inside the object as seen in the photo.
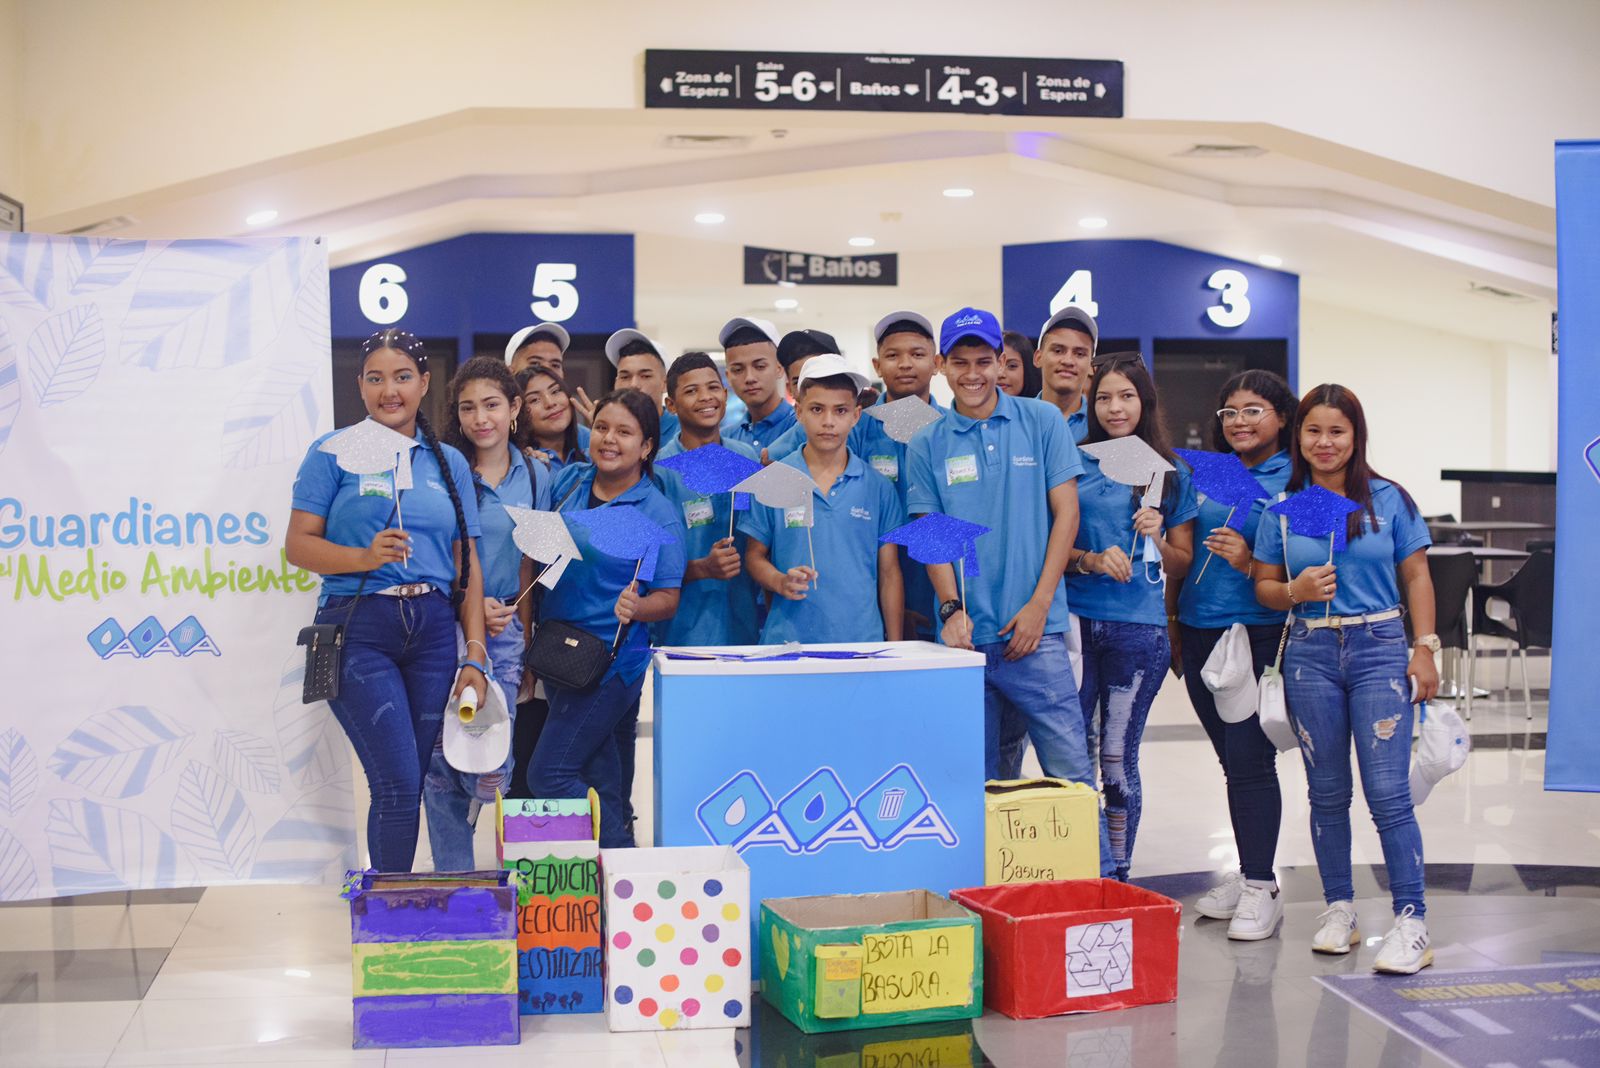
(959, 469)
(887, 466)
(794, 517)
(379, 485)
(697, 513)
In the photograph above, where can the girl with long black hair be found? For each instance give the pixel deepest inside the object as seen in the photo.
(554, 432)
(398, 593)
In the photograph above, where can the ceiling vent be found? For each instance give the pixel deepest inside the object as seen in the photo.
(1204, 151)
(104, 226)
(1482, 289)
(706, 142)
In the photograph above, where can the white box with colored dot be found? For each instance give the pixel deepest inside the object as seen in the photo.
(677, 938)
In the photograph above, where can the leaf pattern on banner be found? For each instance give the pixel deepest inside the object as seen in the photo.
(97, 263)
(315, 841)
(10, 385)
(249, 762)
(273, 419)
(97, 847)
(19, 773)
(211, 820)
(311, 311)
(313, 743)
(209, 304)
(65, 354)
(19, 879)
(25, 270)
(119, 752)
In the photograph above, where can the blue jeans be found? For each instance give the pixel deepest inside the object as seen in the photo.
(578, 750)
(627, 736)
(399, 666)
(1249, 760)
(1124, 665)
(1351, 683)
(1013, 743)
(1039, 689)
(448, 794)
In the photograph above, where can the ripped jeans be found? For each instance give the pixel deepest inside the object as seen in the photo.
(1124, 665)
(1351, 682)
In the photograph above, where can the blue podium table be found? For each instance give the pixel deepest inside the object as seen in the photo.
(828, 776)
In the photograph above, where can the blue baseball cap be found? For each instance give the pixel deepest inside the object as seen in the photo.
(970, 322)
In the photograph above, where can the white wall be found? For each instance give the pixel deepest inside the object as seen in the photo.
(1433, 400)
(10, 99)
(1462, 88)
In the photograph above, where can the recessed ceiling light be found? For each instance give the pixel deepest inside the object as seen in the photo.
(261, 218)
(710, 218)
(863, 242)
(786, 304)
(784, 283)
(956, 192)
(1092, 222)
(1267, 260)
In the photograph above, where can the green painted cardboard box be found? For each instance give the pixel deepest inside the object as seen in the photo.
(841, 962)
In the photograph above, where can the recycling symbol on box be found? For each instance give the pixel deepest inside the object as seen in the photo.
(1099, 958)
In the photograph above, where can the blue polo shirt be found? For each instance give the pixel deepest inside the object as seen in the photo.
(1366, 567)
(1105, 518)
(1227, 597)
(498, 555)
(761, 434)
(355, 507)
(848, 520)
(586, 594)
(1078, 421)
(710, 611)
(998, 472)
(870, 441)
(556, 463)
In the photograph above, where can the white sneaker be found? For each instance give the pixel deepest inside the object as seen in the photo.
(1338, 931)
(1258, 914)
(1219, 902)
(1405, 948)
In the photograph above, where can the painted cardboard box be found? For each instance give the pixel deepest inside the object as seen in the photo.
(940, 1044)
(1040, 830)
(677, 926)
(1080, 945)
(553, 844)
(435, 958)
(842, 962)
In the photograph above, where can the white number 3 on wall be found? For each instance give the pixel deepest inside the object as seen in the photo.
(1232, 307)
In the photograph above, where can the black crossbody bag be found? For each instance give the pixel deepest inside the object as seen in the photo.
(324, 644)
(564, 654)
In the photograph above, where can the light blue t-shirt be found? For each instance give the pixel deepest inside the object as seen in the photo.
(848, 520)
(355, 507)
(498, 555)
(586, 594)
(1227, 596)
(998, 472)
(761, 434)
(710, 611)
(1366, 567)
(1105, 518)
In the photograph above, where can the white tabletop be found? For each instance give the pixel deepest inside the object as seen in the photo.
(898, 656)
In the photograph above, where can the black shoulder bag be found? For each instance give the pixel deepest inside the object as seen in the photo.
(566, 655)
(324, 644)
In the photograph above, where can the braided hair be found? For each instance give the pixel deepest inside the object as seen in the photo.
(409, 344)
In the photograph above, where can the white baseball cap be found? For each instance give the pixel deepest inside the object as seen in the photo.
(827, 365)
(616, 341)
(1074, 318)
(520, 338)
(733, 326)
(882, 325)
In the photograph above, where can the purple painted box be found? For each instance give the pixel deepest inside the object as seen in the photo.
(435, 958)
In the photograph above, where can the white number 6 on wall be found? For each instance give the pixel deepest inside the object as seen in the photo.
(1233, 307)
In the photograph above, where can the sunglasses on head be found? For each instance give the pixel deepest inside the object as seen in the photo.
(1106, 360)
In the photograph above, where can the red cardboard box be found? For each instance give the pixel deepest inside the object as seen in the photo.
(1077, 945)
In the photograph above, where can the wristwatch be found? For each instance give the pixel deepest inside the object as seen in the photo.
(1429, 642)
(948, 609)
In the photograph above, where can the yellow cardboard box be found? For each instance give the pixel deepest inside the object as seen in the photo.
(1036, 829)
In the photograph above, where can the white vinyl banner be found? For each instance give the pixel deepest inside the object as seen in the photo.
(156, 398)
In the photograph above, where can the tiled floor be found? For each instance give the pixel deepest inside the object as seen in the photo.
(261, 974)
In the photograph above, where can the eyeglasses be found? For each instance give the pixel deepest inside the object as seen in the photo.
(1251, 414)
(1105, 360)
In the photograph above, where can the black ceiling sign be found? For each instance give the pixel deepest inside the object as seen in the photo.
(769, 266)
(839, 81)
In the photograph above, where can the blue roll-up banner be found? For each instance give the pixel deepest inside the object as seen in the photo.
(1572, 756)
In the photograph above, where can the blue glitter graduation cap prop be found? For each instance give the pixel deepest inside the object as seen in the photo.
(625, 533)
(713, 469)
(1224, 478)
(939, 539)
(1318, 513)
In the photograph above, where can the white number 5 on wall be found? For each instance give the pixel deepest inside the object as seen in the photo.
(553, 283)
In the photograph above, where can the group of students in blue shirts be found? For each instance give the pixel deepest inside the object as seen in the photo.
(1076, 623)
